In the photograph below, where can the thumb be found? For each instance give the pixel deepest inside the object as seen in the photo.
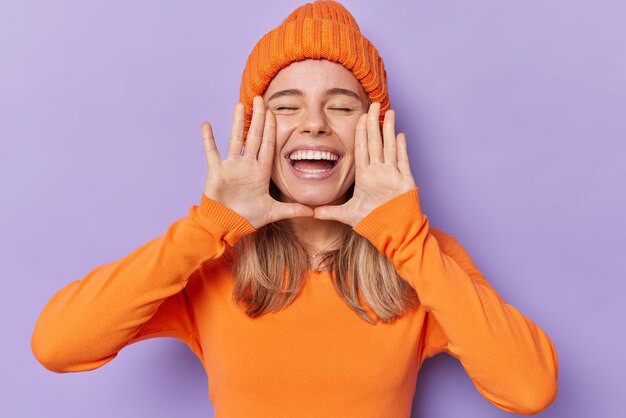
(331, 212)
(290, 210)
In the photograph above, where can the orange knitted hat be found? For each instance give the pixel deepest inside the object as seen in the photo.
(321, 30)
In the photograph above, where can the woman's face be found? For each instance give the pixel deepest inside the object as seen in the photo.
(317, 104)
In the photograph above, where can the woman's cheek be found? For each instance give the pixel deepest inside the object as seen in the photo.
(282, 134)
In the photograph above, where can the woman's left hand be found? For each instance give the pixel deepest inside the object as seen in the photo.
(382, 169)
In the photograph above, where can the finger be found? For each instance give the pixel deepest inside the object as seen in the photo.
(374, 140)
(389, 135)
(361, 156)
(236, 132)
(290, 210)
(266, 153)
(403, 155)
(330, 212)
(255, 133)
(211, 151)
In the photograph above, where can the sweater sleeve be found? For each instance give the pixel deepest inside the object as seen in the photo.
(510, 360)
(142, 295)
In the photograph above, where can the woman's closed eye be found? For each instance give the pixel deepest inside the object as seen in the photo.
(343, 109)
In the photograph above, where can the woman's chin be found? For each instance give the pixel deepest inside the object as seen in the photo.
(314, 202)
(317, 199)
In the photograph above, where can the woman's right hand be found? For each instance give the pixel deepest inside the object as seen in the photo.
(241, 181)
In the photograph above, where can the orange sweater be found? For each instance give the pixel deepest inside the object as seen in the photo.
(316, 357)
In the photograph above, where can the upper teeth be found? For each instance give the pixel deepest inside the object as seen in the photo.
(313, 155)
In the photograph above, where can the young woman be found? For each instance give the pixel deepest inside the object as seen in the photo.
(308, 281)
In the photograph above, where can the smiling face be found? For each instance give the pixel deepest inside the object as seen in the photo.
(317, 104)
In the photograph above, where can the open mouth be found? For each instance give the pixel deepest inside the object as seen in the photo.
(313, 162)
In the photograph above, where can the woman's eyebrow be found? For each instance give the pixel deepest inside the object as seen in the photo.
(330, 92)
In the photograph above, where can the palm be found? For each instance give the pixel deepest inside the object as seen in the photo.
(382, 170)
(241, 181)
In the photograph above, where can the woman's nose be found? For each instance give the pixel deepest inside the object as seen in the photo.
(314, 123)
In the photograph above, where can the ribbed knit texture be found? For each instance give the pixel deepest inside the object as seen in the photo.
(407, 202)
(321, 30)
(227, 219)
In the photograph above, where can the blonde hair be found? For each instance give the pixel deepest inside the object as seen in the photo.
(270, 268)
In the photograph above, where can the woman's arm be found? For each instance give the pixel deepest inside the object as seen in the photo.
(511, 361)
(142, 295)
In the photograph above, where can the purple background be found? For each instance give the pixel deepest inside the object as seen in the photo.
(512, 110)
